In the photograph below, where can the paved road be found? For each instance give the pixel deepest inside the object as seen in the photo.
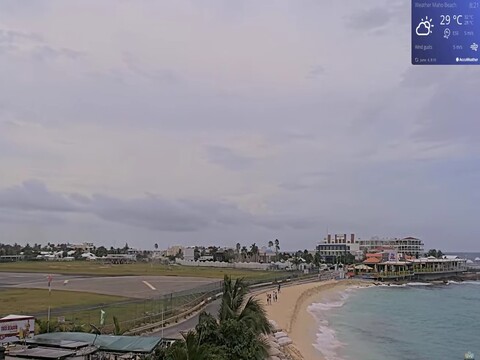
(174, 332)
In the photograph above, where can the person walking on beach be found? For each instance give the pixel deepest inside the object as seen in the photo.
(279, 287)
(274, 296)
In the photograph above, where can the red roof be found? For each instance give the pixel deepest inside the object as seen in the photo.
(372, 260)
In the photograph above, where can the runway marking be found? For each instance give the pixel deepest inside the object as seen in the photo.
(149, 285)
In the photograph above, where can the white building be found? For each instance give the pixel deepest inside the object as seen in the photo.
(339, 245)
(409, 245)
(174, 250)
(85, 247)
(189, 254)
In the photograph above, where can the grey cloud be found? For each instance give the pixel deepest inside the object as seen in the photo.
(370, 19)
(33, 195)
(377, 18)
(150, 212)
(450, 113)
(46, 53)
(306, 181)
(22, 218)
(294, 186)
(315, 72)
(160, 75)
(449, 98)
(285, 222)
(422, 76)
(228, 159)
(12, 41)
(23, 8)
(10, 37)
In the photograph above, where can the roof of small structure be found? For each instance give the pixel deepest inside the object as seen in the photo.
(42, 353)
(112, 343)
(16, 317)
(372, 260)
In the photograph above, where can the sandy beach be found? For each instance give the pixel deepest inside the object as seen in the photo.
(290, 313)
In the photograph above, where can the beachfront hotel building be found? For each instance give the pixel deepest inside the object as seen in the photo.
(408, 246)
(339, 245)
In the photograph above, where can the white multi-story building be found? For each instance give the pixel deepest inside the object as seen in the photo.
(409, 245)
(339, 245)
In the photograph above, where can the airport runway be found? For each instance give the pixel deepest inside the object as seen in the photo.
(141, 287)
(29, 279)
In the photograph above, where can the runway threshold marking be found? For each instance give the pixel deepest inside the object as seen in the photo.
(149, 285)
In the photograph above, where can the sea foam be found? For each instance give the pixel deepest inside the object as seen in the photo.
(327, 342)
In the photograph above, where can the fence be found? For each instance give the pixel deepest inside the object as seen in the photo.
(136, 313)
(130, 314)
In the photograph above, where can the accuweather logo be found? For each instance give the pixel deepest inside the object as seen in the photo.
(463, 60)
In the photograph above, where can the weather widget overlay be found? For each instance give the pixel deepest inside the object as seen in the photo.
(445, 32)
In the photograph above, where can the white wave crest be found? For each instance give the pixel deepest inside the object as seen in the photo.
(419, 284)
(392, 285)
(471, 282)
(327, 343)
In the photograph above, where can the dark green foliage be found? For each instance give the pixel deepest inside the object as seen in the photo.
(435, 253)
(236, 335)
(192, 348)
(117, 330)
(240, 342)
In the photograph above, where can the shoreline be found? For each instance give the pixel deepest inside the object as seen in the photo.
(292, 315)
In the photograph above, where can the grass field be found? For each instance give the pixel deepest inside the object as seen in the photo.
(28, 301)
(99, 269)
(82, 309)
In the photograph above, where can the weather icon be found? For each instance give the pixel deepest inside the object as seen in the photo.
(446, 33)
(425, 27)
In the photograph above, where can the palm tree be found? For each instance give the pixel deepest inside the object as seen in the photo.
(254, 251)
(277, 248)
(296, 261)
(235, 305)
(189, 348)
(244, 252)
(156, 246)
(270, 244)
(238, 247)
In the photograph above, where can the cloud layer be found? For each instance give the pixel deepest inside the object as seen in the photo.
(255, 121)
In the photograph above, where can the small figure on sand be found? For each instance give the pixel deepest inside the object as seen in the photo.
(279, 286)
(275, 298)
(269, 299)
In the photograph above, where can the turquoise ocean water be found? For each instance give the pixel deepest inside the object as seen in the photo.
(434, 322)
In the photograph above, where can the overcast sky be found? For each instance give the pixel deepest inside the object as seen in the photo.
(216, 122)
